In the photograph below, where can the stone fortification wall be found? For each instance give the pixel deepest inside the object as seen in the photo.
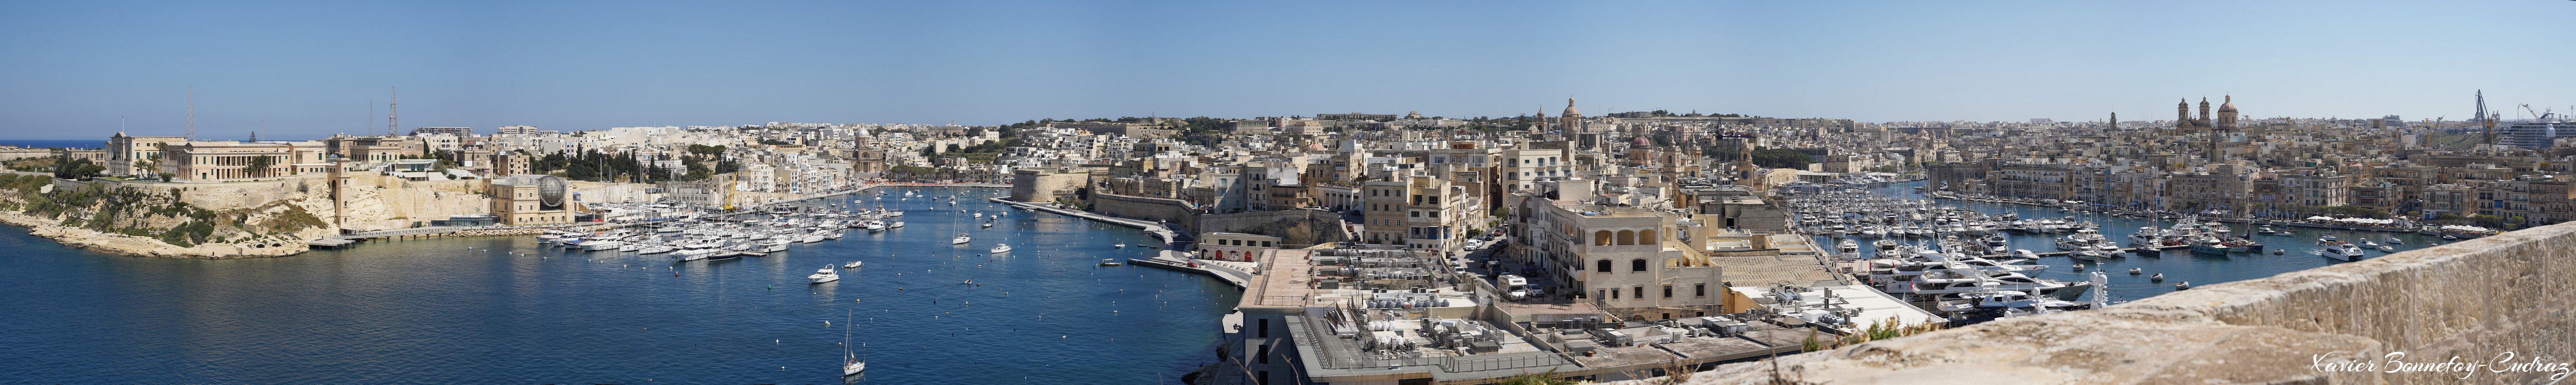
(383, 203)
(1145, 208)
(1042, 186)
(2476, 300)
(1297, 228)
(228, 195)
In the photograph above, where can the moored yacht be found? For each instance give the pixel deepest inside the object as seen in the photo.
(2342, 252)
(1003, 248)
(824, 275)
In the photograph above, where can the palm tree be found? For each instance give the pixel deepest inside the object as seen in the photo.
(258, 166)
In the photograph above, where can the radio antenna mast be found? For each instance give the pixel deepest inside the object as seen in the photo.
(393, 117)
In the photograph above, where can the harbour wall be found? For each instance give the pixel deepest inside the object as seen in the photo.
(2478, 300)
(1172, 211)
(1297, 228)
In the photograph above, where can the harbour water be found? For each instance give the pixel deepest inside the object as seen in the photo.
(2178, 265)
(506, 310)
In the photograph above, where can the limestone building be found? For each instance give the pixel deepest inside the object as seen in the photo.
(218, 160)
(137, 155)
(519, 200)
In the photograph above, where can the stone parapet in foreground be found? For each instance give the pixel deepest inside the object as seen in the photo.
(2477, 300)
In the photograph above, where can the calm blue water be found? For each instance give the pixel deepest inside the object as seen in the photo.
(74, 143)
(507, 311)
(2178, 265)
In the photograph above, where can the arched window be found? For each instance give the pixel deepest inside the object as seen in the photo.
(1637, 264)
(1604, 266)
(1627, 237)
(1647, 237)
(1601, 238)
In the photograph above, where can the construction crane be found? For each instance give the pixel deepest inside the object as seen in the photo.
(2536, 115)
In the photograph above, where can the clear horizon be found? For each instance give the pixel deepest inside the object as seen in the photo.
(314, 69)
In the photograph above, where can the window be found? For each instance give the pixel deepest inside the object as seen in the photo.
(1601, 238)
(1604, 266)
(1646, 237)
(1265, 328)
(1614, 294)
(1668, 293)
(1641, 292)
(1637, 264)
(1627, 237)
(1702, 289)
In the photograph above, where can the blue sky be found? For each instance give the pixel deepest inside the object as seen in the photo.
(69, 69)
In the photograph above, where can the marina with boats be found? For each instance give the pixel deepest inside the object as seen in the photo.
(1975, 259)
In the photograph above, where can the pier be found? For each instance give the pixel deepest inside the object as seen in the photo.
(1164, 232)
(1175, 260)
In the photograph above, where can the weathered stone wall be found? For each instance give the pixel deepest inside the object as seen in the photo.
(2476, 300)
(1042, 186)
(1298, 228)
(1145, 208)
(229, 195)
(384, 203)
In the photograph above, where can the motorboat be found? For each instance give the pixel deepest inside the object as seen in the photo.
(2387, 249)
(1003, 248)
(604, 244)
(1110, 262)
(773, 245)
(2135, 271)
(2158, 277)
(853, 264)
(1848, 247)
(896, 224)
(2146, 237)
(2185, 285)
(824, 275)
(1118, 246)
(723, 255)
(656, 249)
(2342, 252)
(987, 224)
(810, 238)
(2328, 240)
(2206, 244)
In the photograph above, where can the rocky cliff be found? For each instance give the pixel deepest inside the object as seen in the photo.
(125, 219)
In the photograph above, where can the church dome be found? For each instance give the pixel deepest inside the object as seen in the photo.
(1640, 142)
(2230, 105)
(1569, 108)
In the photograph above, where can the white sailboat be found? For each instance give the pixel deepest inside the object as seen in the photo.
(850, 362)
(960, 239)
